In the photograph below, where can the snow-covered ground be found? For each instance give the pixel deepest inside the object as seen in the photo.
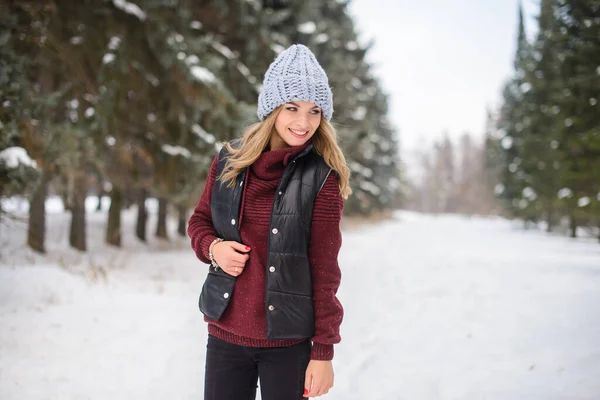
(435, 308)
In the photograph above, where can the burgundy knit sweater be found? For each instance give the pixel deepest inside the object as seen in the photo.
(244, 320)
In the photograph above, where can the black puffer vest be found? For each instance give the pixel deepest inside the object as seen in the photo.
(289, 301)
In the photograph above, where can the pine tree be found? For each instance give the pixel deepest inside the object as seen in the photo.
(579, 111)
(514, 177)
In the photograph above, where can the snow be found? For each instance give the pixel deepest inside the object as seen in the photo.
(246, 72)
(195, 25)
(154, 81)
(564, 193)
(202, 134)
(525, 87)
(506, 142)
(202, 74)
(76, 40)
(321, 38)
(359, 113)
(111, 141)
(307, 28)
(499, 189)
(370, 187)
(176, 150)
(360, 169)
(13, 156)
(352, 45)
(130, 8)
(593, 101)
(224, 50)
(529, 193)
(114, 43)
(449, 308)
(89, 112)
(108, 58)
(568, 122)
(73, 104)
(192, 59)
(583, 201)
(277, 48)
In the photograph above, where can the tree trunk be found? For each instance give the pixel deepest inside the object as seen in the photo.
(573, 226)
(550, 221)
(65, 195)
(100, 195)
(36, 230)
(140, 229)
(77, 237)
(113, 228)
(161, 223)
(182, 227)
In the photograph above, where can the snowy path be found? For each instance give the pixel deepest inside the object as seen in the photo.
(436, 308)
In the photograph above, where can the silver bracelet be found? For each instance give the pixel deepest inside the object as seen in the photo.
(210, 253)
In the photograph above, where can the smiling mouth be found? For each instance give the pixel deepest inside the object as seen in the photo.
(298, 133)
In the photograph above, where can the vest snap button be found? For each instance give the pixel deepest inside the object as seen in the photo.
(280, 193)
(272, 269)
(271, 308)
(233, 222)
(274, 231)
(241, 183)
(226, 295)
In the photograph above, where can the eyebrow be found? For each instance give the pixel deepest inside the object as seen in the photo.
(291, 102)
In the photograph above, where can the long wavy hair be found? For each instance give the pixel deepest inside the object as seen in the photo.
(257, 136)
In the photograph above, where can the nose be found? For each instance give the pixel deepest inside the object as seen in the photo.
(303, 121)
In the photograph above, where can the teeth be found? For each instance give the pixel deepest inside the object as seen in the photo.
(301, 133)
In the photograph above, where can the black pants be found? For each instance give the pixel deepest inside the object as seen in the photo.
(232, 371)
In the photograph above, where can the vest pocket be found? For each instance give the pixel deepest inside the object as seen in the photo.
(289, 316)
(216, 294)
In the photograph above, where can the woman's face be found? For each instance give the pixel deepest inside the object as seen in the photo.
(296, 123)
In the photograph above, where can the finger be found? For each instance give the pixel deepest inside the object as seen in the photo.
(239, 247)
(307, 383)
(237, 263)
(316, 388)
(239, 258)
(233, 271)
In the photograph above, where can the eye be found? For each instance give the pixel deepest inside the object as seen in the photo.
(316, 112)
(291, 108)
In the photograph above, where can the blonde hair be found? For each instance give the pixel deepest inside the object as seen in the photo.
(257, 137)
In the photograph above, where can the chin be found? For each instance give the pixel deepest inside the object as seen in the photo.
(293, 142)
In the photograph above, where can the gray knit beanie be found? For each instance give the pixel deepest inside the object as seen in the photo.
(295, 75)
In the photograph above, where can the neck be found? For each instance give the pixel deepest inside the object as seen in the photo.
(276, 143)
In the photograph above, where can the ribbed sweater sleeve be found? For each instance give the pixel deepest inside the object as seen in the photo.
(200, 228)
(325, 244)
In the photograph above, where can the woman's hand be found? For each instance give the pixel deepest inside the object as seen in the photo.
(231, 256)
(318, 378)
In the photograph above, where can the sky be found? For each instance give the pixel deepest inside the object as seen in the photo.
(440, 62)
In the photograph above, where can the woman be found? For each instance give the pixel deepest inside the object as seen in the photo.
(268, 222)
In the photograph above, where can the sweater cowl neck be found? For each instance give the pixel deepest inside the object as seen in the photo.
(271, 163)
